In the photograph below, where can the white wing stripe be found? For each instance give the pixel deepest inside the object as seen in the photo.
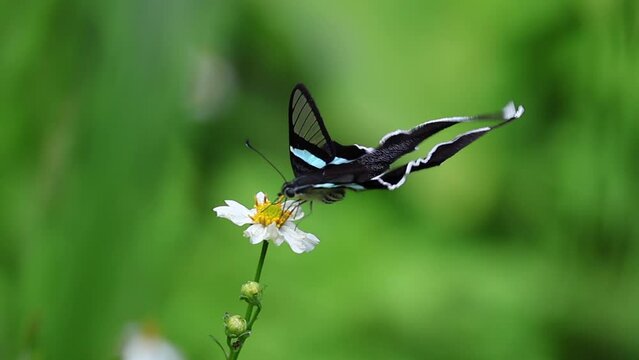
(453, 119)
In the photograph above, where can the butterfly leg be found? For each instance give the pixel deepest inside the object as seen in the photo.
(297, 205)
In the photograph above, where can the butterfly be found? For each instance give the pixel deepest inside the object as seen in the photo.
(324, 169)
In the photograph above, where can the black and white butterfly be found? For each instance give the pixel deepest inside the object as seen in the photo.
(324, 168)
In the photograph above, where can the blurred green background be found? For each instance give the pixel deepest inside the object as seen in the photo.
(122, 126)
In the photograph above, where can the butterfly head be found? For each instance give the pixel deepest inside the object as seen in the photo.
(288, 190)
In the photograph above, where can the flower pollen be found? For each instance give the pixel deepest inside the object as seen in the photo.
(269, 213)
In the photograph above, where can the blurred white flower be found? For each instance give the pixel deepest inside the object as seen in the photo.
(213, 86)
(145, 343)
(270, 221)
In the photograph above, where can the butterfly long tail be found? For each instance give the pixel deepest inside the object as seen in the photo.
(440, 153)
(407, 140)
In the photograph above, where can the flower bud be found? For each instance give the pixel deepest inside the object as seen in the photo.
(235, 325)
(251, 291)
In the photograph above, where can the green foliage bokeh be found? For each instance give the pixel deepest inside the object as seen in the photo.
(123, 122)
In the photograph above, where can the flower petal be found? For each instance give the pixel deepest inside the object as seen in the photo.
(235, 212)
(298, 240)
(272, 232)
(260, 198)
(279, 239)
(256, 232)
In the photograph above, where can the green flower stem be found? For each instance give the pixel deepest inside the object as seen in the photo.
(249, 310)
(250, 324)
(258, 274)
(260, 263)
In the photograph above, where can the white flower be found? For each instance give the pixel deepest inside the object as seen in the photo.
(270, 221)
(144, 343)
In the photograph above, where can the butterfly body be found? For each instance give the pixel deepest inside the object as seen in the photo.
(324, 185)
(324, 169)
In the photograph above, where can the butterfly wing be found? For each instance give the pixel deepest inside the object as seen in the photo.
(310, 146)
(347, 153)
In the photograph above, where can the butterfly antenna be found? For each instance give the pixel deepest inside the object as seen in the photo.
(248, 145)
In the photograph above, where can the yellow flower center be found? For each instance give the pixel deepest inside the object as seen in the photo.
(269, 213)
